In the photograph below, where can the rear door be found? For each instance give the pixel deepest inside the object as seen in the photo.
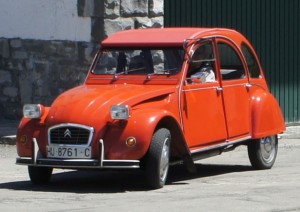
(235, 90)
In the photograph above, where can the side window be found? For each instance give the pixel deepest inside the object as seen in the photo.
(252, 63)
(202, 64)
(231, 65)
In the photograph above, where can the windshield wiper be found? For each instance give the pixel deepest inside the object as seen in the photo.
(149, 75)
(127, 72)
(117, 74)
(142, 70)
(165, 71)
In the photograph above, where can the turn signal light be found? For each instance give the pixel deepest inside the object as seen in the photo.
(131, 141)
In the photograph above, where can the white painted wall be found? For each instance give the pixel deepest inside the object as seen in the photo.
(43, 19)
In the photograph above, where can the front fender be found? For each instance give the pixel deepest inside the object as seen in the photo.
(141, 125)
(267, 118)
(29, 129)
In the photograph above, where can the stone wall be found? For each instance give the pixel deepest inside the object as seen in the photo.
(109, 16)
(36, 71)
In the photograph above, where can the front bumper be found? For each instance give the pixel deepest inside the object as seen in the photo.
(101, 163)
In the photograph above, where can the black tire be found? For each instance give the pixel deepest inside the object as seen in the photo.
(262, 152)
(157, 159)
(39, 175)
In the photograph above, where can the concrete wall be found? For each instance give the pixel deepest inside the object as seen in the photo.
(43, 20)
(46, 46)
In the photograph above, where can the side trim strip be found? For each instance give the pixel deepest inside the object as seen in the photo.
(198, 89)
(227, 144)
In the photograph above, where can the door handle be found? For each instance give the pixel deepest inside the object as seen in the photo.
(248, 86)
(219, 89)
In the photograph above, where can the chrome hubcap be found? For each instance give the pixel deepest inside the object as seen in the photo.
(164, 160)
(267, 147)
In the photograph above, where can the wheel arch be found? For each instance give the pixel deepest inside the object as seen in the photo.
(179, 148)
(154, 120)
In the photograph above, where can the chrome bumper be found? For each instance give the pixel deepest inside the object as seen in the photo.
(101, 163)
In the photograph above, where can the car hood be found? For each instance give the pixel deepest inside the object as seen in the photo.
(88, 104)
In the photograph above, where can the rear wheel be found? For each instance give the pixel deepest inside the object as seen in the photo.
(157, 160)
(39, 175)
(262, 152)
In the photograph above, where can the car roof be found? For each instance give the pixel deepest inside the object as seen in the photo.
(167, 37)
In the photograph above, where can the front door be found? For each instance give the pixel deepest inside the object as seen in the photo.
(201, 99)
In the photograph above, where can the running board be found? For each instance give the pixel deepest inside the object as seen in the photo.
(211, 151)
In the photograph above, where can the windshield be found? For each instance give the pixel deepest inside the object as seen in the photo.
(138, 61)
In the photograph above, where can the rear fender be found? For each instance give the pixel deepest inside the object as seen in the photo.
(267, 118)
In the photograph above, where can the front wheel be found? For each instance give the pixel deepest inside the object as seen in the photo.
(157, 159)
(39, 175)
(262, 152)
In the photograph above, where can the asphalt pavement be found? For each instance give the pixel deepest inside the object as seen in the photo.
(8, 131)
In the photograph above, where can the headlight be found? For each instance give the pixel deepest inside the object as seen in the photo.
(32, 111)
(119, 112)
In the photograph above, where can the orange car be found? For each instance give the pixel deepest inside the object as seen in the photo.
(155, 98)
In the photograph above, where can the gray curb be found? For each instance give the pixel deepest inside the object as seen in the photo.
(8, 140)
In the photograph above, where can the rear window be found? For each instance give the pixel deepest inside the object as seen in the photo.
(230, 63)
(253, 67)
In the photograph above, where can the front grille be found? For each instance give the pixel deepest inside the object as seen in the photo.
(70, 135)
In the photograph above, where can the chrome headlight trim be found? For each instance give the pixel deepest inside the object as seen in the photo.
(119, 112)
(32, 111)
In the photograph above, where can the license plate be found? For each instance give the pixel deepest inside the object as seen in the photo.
(68, 152)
